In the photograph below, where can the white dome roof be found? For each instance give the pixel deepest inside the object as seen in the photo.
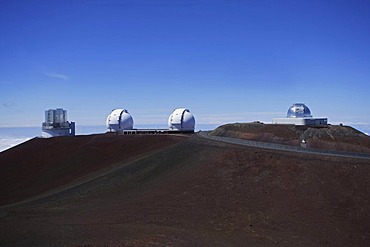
(119, 119)
(299, 110)
(182, 120)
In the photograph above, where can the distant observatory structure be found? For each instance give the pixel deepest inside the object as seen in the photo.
(300, 114)
(181, 120)
(56, 124)
(119, 120)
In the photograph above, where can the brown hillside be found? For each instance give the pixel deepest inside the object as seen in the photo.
(200, 193)
(40, 165)
(330, 137)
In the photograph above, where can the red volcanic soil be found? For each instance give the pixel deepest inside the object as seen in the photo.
(200, 193)
(40, 165)
(330, 137)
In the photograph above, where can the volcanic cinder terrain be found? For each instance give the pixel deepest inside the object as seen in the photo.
(184, 190)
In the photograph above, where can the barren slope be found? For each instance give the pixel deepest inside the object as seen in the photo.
(41, 164)
(205, 193)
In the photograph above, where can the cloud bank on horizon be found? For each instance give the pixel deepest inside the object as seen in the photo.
(7, 142)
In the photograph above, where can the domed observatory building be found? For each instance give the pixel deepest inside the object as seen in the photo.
(119, 120)
(300, 114)
(299, 110)
(181, 120)
(56, 124)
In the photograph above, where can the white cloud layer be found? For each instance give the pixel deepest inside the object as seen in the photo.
(7, 142)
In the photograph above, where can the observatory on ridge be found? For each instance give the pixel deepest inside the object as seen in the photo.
(181, 120)
(300, 114)
(56, 124)
(119, 120)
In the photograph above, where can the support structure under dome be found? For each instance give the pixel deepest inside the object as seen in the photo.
(56, 124)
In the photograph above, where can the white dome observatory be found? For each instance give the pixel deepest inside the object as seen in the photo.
(118, 120)
(181, 120)
(300, 114)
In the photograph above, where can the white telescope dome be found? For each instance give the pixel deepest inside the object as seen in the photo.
(299, 110)
(181, 120)
(119, 119)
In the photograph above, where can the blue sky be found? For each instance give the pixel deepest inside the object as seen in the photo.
(227, 61)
